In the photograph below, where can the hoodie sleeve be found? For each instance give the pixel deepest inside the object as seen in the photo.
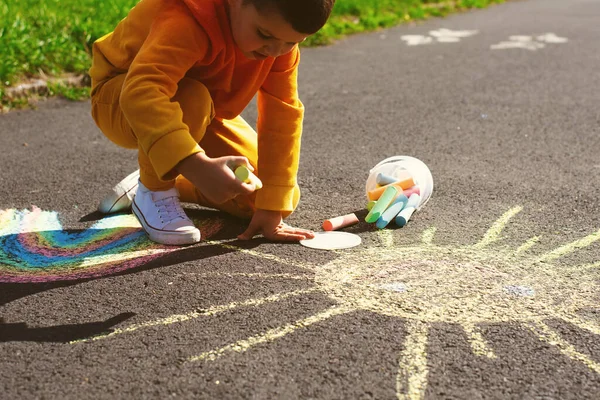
(279, 126)
(175, 43)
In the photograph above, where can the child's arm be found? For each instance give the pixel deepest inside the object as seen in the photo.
(217, 181)
(174, 44)
(279, 128)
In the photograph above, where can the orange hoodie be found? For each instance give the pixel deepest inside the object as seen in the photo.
(162, 41)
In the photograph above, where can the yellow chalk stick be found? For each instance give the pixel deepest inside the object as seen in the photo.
(243, 174)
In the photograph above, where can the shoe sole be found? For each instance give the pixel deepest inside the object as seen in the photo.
(166, 237)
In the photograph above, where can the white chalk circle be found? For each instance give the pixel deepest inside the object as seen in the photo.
(332, 241)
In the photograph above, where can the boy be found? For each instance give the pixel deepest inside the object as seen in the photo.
(171, 81)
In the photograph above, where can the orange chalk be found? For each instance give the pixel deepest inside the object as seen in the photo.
(343, 221)
(404, 182)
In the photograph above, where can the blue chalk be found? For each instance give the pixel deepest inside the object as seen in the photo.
(383, 179)
(391, 212)
(404, 216)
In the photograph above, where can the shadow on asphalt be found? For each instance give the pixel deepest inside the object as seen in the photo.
(20, 332)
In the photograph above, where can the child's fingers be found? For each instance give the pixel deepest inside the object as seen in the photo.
(248, 234)
(286, 236)
(288, 233)
(247, 188)
(236, 161)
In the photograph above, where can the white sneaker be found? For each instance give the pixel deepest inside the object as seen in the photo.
(121, 196)
(162, 217)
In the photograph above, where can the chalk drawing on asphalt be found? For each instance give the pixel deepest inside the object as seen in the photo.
(34, 247)
(439, 35)
(424, 284)
(526, 42)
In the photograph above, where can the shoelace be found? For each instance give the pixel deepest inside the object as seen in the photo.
(169, 209)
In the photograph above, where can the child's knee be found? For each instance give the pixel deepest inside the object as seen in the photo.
(107, 113)
(197, 106)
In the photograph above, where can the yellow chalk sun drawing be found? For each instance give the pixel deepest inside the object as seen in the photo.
(427, 283)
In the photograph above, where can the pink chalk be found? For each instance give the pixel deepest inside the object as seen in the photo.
(414, 189)
(343, 221)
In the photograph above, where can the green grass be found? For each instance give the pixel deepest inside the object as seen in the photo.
(54, 37)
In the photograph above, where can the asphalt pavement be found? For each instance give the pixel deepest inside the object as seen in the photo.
(491, 291)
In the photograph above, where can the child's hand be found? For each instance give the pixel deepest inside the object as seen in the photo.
(214, 177)
(272, 227)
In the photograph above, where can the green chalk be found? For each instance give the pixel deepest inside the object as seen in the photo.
(389, 194)
(370, 205)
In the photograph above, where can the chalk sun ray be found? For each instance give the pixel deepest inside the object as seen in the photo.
(250, 275)
(272, 334)
(411, 380)
(528, 245)
(570, 247)
(427, 236)
(177, 318)
(266, 256)
(548, 335)
(493, 233)
(478, 343)
(386, 238)
(587, 325)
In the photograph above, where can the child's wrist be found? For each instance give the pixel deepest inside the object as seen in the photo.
(191, 162)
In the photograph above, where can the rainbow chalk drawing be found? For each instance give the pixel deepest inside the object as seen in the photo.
(494, 281)
(34, 247)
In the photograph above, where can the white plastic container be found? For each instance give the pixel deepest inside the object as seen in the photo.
(393, 165)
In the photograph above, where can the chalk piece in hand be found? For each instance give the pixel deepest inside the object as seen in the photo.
(343, 221)
(244, 175)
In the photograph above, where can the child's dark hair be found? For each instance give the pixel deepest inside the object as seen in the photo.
(305, 16)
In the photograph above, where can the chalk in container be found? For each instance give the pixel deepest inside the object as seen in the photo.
(390, 213)
(404, 216)
(389, 194)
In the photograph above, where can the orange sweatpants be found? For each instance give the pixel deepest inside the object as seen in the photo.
(218, 137)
